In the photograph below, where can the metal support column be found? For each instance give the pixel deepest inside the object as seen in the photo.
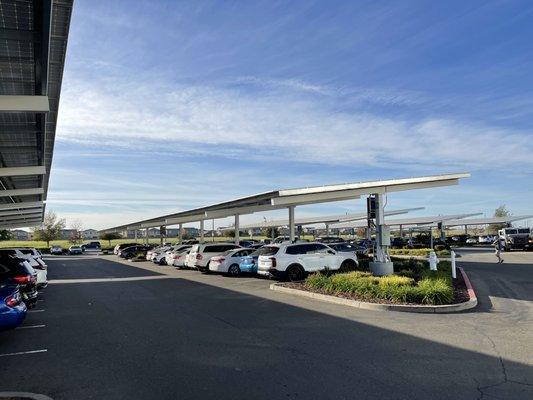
(237, 229)
(146, 236)
(181, 233)
(431, 237)
(213, 230)
(291, 223)
(202, 231)
(401, 232)
(381, 254)
(135, 233)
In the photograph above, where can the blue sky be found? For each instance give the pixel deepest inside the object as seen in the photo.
(169, 105)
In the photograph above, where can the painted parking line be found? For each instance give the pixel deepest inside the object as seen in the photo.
(36, 311)
(20, 353)
(31, 326)
(97, 280)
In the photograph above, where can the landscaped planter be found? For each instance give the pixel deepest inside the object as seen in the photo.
(464, 298)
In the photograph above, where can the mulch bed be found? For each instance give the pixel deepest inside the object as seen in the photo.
(460, 292)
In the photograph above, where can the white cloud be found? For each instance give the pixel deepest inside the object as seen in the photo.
(277, 123)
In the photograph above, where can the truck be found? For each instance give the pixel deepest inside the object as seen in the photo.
(515, 238)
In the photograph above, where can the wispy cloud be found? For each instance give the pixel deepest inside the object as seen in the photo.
(279, 125)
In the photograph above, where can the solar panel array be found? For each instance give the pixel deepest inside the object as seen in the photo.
(33, 40)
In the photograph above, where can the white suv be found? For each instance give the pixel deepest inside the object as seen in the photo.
(295, 261)
(201, 254)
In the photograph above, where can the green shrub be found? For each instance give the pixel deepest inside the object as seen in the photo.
(414, 284)
(435, 291)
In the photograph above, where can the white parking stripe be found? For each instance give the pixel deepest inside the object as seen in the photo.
(23, 352)
(34, 311)
(96, 280)
(31, 326)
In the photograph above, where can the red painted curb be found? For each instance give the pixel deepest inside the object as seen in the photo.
(469, 287)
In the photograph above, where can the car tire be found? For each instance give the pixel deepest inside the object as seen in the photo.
(234, 270)
(347, 265)
(295, 273)
(162, 262)
(206, 269)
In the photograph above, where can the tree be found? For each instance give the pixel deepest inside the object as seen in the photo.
(270, 232)
(76, 235)
(109, 236)
(500, 212)
(50, 229)
(5, 235)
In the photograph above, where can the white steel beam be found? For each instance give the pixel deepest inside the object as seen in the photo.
(12, 225)
(228, 212)
(182, 220)
(21, 205)
(9, 103)
(291, 223)
(23, 171)
(21, 192)
(17, 217)
(237, 229)
(19, 212)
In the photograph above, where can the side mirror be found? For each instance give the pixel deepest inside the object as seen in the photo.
(331, 252)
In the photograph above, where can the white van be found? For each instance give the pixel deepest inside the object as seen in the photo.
(295, 261)
(201, 254)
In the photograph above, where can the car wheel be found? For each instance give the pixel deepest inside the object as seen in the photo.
(347, 265)
(206, 269)
(234, 270)
(162, 262)
(295, 273)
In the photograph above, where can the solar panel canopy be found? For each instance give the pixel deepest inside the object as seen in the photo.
(33, 42)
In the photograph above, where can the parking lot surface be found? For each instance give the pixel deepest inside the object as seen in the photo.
(180, 334)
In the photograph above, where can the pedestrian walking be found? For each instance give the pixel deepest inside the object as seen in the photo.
(498, 247)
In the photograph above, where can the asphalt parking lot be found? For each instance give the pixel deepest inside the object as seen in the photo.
(110, 330)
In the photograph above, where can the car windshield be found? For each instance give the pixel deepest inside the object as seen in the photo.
(344, 247)
(267, 251)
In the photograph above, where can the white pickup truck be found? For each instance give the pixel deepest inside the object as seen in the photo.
(515, 238)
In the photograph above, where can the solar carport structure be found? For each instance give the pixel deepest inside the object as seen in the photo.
(33, 41)
(291, 198)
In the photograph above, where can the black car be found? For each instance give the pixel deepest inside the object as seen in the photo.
(91, 246)
(15, 271)
(330, 239)
(132, 251)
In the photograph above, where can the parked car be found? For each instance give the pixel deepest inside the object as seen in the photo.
(121, 246)
(201, 254)
(246, 243)
(18, 272)
(39, 266)
(348, 249)
(12, 308)
(295, 261)
(178, 258)
(256, 246)
(248, 263)
(329, 239)
(91, 246)
(150, 254)
(471, 241)
(134, 251)
(228, 262)
(165, 257)
(75, 249)
(56, 250)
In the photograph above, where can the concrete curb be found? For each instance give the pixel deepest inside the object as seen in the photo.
(450, 308)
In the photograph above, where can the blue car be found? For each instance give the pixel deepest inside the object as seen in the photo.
(12, 308)
(249, 263)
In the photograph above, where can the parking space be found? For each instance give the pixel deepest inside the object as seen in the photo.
(208, 336)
